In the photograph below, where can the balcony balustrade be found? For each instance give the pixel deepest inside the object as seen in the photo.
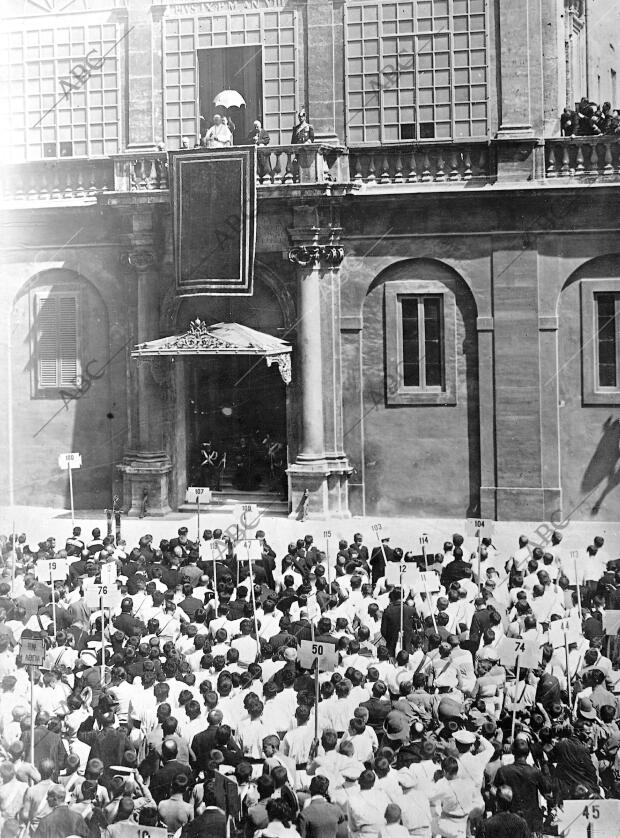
(585, 158)
(432, 162)
(426, 163)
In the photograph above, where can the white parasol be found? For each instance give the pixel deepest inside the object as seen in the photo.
(229, 99)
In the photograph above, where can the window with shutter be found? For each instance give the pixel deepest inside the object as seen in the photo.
(57, 340)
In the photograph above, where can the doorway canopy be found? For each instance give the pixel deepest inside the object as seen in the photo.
(221, 339)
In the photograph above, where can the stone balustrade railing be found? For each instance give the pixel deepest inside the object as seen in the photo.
(583, 157)
(73, 177)
(428, 162)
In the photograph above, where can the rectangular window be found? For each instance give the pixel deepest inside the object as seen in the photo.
(57, 342)
(607, 321)
(422, 342)
(416, 70)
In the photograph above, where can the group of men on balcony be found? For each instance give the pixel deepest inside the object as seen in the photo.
(221, 133)
(590, 120)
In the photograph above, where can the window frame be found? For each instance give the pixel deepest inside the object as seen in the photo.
(592, 392)
(397, 393)
(42, 391)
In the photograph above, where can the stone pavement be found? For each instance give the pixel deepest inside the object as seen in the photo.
(38, 523)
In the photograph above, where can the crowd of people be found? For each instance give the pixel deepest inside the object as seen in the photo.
(192, 701)
(589, 119)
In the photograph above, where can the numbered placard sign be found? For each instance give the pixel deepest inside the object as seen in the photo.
(583, 818)
(611, 622)
(73, 460)
(32, 651)
(511, 648)
(430, 582)
(109, 574)
(249, 549)
(479, 527)
(247, 516)
(51, 570)
(567, 627)
(219, 551)
(407, 570)
(107, 595)
(311, 650)
(193, 493)
(134, 830)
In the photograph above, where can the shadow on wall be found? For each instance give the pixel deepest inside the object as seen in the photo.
(604, 466)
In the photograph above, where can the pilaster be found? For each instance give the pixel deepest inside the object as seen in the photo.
(146, 466)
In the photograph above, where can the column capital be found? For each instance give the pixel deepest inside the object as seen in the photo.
(141, 260)
(310, 255)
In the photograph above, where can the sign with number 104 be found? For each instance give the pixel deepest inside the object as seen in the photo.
(479, 527)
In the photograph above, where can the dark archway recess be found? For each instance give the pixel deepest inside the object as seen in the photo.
(232, 399)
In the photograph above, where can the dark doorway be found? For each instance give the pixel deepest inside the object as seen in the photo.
(238, 404)
(232, 68)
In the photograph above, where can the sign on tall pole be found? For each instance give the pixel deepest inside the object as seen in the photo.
(32, 655)
(67, 462)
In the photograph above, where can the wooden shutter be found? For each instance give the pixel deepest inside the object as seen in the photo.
(57, 340)
(67, 341)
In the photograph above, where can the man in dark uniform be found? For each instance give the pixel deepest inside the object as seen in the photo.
(210, 466)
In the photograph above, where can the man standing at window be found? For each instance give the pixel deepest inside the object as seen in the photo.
(218, 135)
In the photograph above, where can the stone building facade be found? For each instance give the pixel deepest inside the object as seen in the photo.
(446, 269)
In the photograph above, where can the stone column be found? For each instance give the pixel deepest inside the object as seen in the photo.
(318, 478)
(146, 467)
(312, 439)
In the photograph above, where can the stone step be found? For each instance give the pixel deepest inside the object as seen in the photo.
(226, 501)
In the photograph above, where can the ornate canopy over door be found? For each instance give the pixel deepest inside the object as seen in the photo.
(221, 339)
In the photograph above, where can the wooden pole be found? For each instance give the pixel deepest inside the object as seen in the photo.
(198, 523)
(316, 699)
(102, 641)
(71, 494)
(32, 715)
(329, 583)
(514, 704)
(253, 600)
(215, 578)
(479, 546)
(402, 606)
(567, 669)
(53, 603)
(428, 599)
(578, 591)
(14, 560)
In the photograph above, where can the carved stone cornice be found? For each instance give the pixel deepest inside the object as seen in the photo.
(305, 255)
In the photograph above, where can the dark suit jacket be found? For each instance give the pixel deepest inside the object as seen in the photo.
(319, 819)
(377, 562)
(202, 744)
(390, 624)
(480, 622)
(161, 781)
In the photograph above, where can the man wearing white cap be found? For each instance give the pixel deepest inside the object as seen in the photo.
(472, 765)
